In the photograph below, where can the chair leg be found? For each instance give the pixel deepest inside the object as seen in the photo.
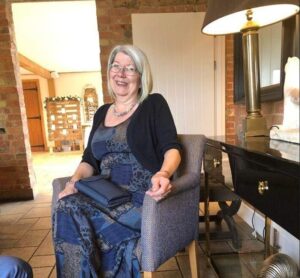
(193, 255)
(148, 274)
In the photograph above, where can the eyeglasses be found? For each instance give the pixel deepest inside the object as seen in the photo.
(129, 70)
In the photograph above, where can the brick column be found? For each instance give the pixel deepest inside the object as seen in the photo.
(16, 173)
(230, 125)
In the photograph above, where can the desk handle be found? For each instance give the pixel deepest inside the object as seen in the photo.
(216, 162)
(262, 187)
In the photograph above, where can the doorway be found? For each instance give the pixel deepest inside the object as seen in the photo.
(34, 114)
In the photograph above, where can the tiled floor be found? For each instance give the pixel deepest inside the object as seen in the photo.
(25, 231)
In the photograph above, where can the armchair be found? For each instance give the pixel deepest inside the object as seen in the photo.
(175, 217)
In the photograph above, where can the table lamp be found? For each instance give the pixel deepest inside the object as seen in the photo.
(246, 16)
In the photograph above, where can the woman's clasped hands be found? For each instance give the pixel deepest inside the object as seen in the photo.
(161, 186)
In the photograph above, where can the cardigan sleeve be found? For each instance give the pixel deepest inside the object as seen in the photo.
(152, 132)
(164, 126)
(88, 156)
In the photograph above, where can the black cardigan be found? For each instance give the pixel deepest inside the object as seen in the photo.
(151, 132)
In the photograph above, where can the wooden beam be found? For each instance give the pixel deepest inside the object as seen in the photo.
(51, 87)
(33, 67)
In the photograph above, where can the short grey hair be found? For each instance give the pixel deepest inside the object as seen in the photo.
(141, 63)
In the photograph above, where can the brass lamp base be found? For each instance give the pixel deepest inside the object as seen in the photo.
(255, 127)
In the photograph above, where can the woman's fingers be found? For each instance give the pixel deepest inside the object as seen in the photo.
(160, 190)
(159, 197)
(69, 189)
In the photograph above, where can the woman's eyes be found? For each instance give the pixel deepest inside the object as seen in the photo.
(119, 68)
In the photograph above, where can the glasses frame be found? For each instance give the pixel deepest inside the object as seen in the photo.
(116, 68)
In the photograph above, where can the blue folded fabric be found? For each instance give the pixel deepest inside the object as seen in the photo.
(103, 191)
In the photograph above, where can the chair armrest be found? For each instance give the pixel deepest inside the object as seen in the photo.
(185, 182)
(171, 224)
(58, 185)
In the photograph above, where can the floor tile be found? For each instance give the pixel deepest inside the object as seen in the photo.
(14, 208)
(170, 264)
(41, 272)
(42, 261)
(23, 253)
(53, 273)
(217, 247)
(251, 245)
(9, 219)
(42, 224)
(32, 238)
(38, 212)
(46, 247)
(30, 221)
(13, 231)
(206, 270)
(253, 261)
(231, 266)
(8, 243)
(167, 274)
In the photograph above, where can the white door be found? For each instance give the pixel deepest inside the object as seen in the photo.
(182, 63)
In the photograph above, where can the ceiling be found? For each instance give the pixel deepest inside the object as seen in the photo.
(59, 36)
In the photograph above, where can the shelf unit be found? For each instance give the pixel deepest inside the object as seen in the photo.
(64, 123)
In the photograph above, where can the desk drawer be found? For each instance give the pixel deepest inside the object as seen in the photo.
(279, 200)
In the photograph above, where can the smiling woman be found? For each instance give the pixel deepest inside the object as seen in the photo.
(133, 144)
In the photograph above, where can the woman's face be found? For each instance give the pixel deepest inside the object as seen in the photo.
(123, 77)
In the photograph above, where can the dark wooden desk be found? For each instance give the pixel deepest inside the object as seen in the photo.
(266, 174)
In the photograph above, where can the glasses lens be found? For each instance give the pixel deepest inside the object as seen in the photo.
(129, 70)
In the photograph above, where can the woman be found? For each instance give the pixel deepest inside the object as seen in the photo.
(133, 141)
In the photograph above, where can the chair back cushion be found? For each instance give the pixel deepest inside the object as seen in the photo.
(191, 156)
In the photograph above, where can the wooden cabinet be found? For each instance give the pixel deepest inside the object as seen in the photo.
(64, 122)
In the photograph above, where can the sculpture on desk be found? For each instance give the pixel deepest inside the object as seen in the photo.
(289, 130)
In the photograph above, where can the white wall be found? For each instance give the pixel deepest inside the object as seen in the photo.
(75, 83)
(182, 63)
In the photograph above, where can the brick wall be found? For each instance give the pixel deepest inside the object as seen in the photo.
(15, 162)
(272, 111)
(230, 125)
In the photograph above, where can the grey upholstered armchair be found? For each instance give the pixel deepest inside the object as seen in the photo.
(171, 224)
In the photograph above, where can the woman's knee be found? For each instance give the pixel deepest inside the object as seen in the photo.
(13, 267)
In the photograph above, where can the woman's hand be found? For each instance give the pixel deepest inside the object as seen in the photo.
(69, 189)
(161, 186)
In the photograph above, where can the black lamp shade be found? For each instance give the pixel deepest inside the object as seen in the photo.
(229, 16)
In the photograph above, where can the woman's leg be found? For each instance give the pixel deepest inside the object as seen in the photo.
(88, 238)
(13, 267)
(74, 240)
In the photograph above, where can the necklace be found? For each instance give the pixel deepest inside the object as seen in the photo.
(121, 114)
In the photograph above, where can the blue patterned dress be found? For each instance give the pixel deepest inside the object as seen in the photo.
(91, 241)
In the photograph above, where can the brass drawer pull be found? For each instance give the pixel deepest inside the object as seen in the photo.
(216, 162)
(262, 187)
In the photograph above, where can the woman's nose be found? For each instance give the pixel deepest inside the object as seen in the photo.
(122, 72)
